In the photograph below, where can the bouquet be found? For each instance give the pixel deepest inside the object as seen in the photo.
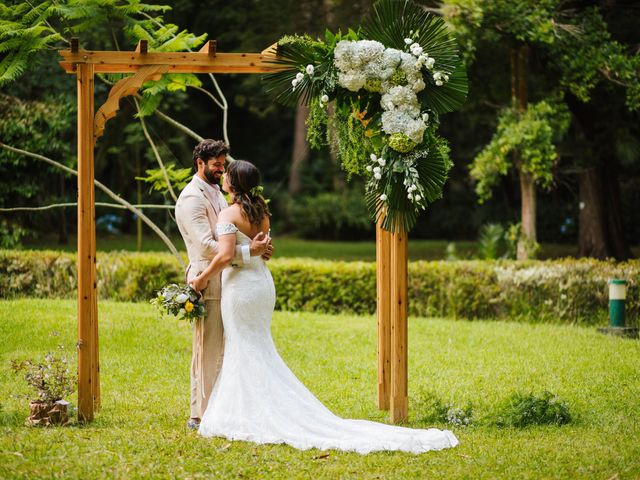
(182, 301)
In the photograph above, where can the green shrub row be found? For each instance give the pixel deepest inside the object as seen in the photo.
(570, 291)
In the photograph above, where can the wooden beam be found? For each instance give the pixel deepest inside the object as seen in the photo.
(399, 404)
(209, 48)
(142, 47)
(383, 297)
(126, 86)
(181, 62)
(86, 246)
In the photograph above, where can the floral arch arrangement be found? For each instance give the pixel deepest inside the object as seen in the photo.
(389, 82)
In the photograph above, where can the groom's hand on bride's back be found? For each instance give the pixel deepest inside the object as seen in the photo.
(261, 245)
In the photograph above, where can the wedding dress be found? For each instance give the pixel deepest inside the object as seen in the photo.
(258, 399)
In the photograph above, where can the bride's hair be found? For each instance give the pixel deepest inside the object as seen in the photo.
(244, 177)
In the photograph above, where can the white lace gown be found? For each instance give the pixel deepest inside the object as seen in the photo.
(258, 399)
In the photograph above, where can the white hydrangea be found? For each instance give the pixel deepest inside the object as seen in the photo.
(362, 61)
(352, 81)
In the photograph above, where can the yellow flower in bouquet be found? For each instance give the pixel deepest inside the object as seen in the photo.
(188, 306)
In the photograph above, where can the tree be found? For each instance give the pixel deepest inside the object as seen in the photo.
(527, 134)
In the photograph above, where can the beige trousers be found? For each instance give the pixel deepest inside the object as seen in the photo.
(206, 358)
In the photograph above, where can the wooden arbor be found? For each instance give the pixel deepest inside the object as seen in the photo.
(391, 256)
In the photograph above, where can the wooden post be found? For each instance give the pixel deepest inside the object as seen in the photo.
(86, 247)
(383, 297)
(398, 396)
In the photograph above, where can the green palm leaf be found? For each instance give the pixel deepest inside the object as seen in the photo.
(391, 21)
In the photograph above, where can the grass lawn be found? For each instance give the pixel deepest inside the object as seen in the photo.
(296, 247)
(140, 431)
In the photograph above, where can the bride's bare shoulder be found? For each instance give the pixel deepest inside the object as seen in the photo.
(231, 214)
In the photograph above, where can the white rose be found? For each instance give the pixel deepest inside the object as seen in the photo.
(430, 62)
(425, 117)
(324, 98)
(382, 162)
(418, 198)
(408, 41)
(377, 176)
(310, 69)
(294, 82)
(299, 76)
(383, 197)
(373, 157)
(439, 83)
(410, 197)
(416, 49)
(376, 170)
(369, 168)
(183, 297)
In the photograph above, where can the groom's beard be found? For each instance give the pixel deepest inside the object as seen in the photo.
(213, 177)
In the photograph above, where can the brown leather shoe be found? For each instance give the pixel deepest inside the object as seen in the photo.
(193, 423)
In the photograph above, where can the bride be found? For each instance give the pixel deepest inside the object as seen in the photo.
(256, 397)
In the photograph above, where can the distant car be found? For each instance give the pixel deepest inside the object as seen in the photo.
(109, 223)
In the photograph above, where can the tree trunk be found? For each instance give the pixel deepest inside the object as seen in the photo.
(300, 153)
(528, 216)
(619, 247)
(592, 240)
(601, 232)
(519, 65)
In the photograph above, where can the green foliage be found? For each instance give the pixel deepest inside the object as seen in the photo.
(432, 409)
(11, 234)
(567, 291)
(331, 216)
(590, 56)
(354, 138)
(23, 34)
(491, 243)
(523, 410)
(179, 177)
(317, 124)
(37, 126)
(532, 136)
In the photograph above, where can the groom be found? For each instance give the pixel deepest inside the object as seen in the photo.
(197, 212)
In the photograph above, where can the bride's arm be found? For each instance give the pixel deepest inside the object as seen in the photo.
(226, 253)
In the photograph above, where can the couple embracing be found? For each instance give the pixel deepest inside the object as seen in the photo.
(241, 389)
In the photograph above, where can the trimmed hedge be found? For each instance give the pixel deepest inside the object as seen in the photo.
(569, 291)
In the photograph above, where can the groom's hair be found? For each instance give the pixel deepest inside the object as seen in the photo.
(207, 149)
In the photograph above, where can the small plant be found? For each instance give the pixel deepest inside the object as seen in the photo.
(430, 408)
(51, 379)
(521, 410)
(491, 243)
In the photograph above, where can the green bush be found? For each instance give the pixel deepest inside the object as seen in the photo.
(569, 291)
(522, 410)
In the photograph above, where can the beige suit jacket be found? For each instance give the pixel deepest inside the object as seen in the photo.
(196, 215)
